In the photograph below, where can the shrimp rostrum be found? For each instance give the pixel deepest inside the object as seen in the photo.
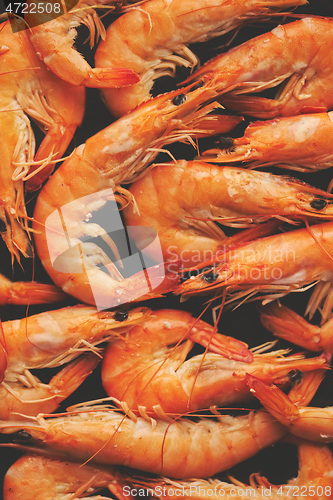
(51, 339)
(147, 368)
(295, 54)
(275, 265)
(163, 32)
(188, 196)
(178, 448)
(115, 155)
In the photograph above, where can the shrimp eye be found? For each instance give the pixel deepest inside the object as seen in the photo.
(198, 85)
(3, 227)
(23, 435)
(295, 376)
(121, 315)
(179, 99)
(210, 277)
(225, 142)
(318, 203)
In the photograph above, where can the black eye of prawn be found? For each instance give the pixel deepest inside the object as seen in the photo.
(318, 203)
(121, 315)
(295, 376)
(3, 227)
(225, 142)
(179, 99)
(23, 435)
(210, 277)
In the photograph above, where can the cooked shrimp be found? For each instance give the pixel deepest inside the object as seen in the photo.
(178, 448)
(187, 196)
(300, 143)
(34, 477)
(52, 338)
(276, 265)
(29, 396)
(290, 326)
(28, 292)
(28, 88)
(296, 54)
(314, 477)
(315, 424)
(163, 31)
(53, 39)
(85, 182)
(144, 370)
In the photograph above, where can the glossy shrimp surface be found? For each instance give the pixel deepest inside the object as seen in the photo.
(146, 371)
(84, 183)
(163, 32)
(51, 339)
(34, 477)
(29, 89)
(188, 196)
(314, 424)
(276, 264)
(53, 39)
(296, 143)
(28, 292)
(314, 476)
(289, 325)
(295, 54)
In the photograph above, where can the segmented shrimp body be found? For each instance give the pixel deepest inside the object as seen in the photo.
(28, 292)
(86, 182)
(53, 39)
(188, 196)
(34, 477)
(51, 339)
(314, 424)
(276, 264)
(168, 448)
(146, 371)
(314, 475)
(290, 326)
(297, 143)
(29, 89)
(164, 30)
(296, 54)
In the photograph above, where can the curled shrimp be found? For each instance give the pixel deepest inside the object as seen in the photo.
(51, 339)
(298, 143)
(189, 195)
(28, 396)
(147, 372)
(28, 292)
(290, 326)
(28, 88)
(34, 477)
(179, 448)
(275, 265)
(314, 476)
(53, 39)
(84, 184)
(314, 424)
(295, 54)
(164, 30)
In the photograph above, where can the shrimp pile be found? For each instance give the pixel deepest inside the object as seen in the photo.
(125, 387)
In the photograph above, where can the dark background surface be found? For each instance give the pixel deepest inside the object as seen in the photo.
(279, 462)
